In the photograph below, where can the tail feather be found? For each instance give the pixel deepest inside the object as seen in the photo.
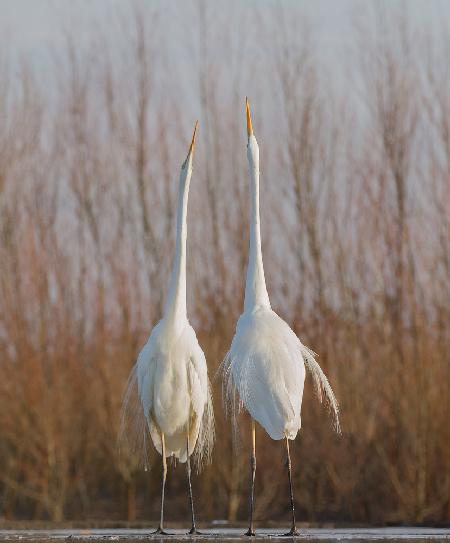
(322, 385)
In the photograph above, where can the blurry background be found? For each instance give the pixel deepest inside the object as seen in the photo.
(351, 107)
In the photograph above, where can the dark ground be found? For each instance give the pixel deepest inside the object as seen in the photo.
(224, 534)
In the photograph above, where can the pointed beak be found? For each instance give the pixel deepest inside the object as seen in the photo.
(194, 135)
(249, 118)
(192, 146)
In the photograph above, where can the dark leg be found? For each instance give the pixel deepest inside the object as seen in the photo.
(193, 530)
(160, 529)
(293, 531)
(251, 530)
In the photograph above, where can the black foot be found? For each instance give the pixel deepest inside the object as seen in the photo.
(250, 532)
(159, 531)
(194, 531)
(293, 532)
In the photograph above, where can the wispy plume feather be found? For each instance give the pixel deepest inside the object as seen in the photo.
(322, 385)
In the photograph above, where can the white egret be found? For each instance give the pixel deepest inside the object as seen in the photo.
(264, 370)
(169, 380)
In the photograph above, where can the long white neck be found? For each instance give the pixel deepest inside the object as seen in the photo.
(255, 287)
(175, 309)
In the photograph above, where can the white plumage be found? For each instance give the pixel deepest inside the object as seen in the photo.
(173, 387)
(270, 391)
(168, 394)
(264, 370)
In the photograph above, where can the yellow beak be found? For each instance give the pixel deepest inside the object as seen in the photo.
(192, 147)
(249, 118)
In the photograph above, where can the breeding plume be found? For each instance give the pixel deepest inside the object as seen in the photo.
(169, 379)
(264, 370)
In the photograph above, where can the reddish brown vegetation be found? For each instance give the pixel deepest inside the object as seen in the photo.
(356, 238)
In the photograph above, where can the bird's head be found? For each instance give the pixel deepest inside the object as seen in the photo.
(252, 144)
(187, 164)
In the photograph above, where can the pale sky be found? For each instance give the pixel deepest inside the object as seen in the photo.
(35, 31)
(31, 26)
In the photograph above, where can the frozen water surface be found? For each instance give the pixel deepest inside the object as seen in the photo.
(224, 534)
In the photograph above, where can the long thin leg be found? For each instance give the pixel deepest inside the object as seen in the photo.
(193, 529)
(251, 530)
(160, 529)
(293, 530)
